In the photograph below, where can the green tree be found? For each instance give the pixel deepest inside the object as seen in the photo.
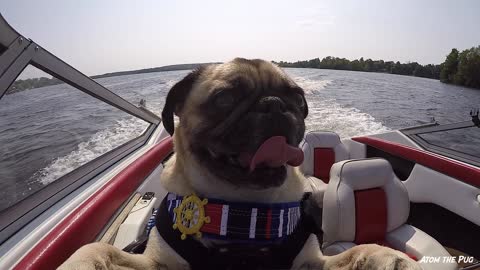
(450, 67)
(459, 75)
(356, 65)
(368, 66)
(468, 72)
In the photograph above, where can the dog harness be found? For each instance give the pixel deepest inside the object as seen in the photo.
(235, 221)
(252, 235)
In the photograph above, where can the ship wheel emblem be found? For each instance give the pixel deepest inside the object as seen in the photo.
(190, 216)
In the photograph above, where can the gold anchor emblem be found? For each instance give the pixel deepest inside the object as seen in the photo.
(190, 216)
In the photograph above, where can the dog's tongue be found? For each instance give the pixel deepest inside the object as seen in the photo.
(274, 152)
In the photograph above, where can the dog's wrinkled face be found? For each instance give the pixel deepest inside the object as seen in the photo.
(228, 111)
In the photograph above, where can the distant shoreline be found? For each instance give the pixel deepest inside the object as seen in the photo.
(28, 84)
(152, 70)
(457, 69)
(368, 65)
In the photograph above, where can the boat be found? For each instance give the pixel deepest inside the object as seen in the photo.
(113, 197)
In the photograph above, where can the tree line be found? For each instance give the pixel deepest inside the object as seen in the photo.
(462, 68)
(27, 84)
(369, 65)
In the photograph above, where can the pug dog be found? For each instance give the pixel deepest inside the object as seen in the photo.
(240, 124)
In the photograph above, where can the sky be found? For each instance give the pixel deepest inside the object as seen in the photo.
(100, 36)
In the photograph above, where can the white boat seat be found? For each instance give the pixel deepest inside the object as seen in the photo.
(321, 150)
(366, 203)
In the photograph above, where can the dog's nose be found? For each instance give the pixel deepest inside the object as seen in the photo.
(270, 104)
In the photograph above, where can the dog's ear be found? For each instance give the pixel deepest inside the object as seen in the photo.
(305, 104)
(176, 98)
(305, 108)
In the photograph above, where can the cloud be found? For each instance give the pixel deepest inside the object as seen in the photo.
(315, 19)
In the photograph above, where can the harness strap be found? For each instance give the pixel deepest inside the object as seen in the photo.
(244, 222)
(239, 255)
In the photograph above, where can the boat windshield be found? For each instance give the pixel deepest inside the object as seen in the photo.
(49, 128)
(459, 141)
(58, 129)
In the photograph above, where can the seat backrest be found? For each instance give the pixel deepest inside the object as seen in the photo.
(363, 201)
(321, 150)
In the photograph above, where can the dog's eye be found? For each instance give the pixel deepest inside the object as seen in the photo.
(224, 99)
(299, 100)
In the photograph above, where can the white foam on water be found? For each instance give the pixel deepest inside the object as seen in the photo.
(311, 86)
(327, 115)
(100, 143)
(170, 83)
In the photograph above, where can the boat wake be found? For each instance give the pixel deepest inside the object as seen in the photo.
(100, 143)
(328, 115)
(311, 86)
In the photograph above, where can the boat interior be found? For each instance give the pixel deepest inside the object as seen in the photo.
(417, 209)
(392, 189)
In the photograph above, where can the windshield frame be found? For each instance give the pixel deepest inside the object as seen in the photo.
(414, 134)
(21, 52)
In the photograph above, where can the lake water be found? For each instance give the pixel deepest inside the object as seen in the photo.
(47, 132)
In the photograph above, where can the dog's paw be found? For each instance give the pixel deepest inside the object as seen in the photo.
(94, 256)
(101, 256)
(310, 257)
(369, 257)
(362, 257)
